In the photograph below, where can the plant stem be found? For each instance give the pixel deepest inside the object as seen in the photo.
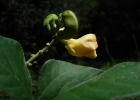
(136, 45)
(40, 52)
(107, 50)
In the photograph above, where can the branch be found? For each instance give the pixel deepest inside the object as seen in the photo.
(40, 52)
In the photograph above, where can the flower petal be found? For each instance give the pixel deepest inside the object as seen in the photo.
(84, 46)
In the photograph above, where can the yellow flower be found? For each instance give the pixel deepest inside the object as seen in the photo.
(84, 46)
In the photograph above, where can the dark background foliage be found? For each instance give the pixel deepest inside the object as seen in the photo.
(115, 23)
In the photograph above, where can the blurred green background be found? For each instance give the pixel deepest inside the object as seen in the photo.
(115, 23)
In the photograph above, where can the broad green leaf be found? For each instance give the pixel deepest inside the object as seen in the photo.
(56, 77)
(123, 80)
(15, 79)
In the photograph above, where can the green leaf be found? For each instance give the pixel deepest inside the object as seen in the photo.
(57, 77)
(15, 79)
(123, 80)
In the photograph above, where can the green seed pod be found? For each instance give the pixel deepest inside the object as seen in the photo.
(51, 22)
(68, 24)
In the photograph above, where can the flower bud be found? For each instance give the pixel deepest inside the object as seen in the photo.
(69, 25)
(50, 22)
(84, 46)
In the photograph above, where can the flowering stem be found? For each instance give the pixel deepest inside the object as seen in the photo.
(45, 49)
(40, 52)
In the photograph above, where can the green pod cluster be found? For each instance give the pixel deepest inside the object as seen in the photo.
(65, 25)
(69, 22)
(51, 22)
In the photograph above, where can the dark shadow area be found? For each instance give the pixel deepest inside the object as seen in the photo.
(115, 23)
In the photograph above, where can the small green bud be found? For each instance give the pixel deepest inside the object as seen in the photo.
(40, 52)
(51, 22)
(29, 65)
(68, 25)
(47, 44)
(32, 55)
